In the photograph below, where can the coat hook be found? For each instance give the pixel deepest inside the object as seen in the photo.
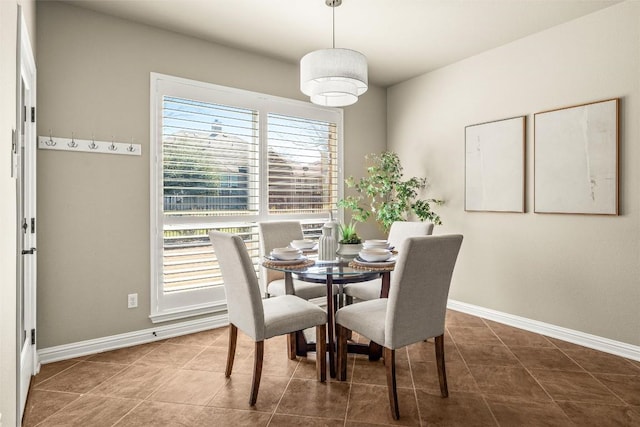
(112, 147)
(93, 144)
(50, 142)
(131, 148)
(73, 143)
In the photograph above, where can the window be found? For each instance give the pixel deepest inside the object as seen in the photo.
(224, 159)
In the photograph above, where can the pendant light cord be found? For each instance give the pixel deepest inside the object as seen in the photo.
(333, 10)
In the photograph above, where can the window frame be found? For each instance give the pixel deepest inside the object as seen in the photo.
(182, 304)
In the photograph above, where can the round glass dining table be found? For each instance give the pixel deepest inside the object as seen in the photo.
(339, 272)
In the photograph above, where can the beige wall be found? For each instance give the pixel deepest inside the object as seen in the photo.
(8, 362)
(576, 271)
(93, 79)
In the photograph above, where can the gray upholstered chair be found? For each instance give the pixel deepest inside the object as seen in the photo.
(261, 319)
(278, 234)
(398, 233)
(414, 311)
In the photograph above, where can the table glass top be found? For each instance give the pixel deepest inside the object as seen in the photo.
(334, 268)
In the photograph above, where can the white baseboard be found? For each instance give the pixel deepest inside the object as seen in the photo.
(83, 348)
(576, 337)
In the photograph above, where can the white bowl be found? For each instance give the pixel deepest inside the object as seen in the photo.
(303, 244)
(374, 255)
(286, 254)
(383, 244)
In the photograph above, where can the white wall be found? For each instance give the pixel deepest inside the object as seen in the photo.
(8, 362)
(93, 78)
(576, 271)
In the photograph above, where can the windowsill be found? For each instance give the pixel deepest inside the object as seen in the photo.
(168, 315)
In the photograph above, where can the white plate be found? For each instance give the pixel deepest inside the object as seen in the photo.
(286, 261)
(388, 263)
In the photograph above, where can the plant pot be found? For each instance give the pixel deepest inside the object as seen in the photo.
(348, 250)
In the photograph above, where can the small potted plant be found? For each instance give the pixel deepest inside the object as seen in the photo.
(349, 243)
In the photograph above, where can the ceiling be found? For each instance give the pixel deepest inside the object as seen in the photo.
(400, 38)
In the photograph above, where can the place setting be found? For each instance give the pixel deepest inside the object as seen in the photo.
(292, 257)
(375, 254)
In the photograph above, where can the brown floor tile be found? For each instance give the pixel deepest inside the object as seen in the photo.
(603, 363)
(357, 424)
(230, 417)
(42, 404)
(214, 359)
(135, 382)
(81, 377)
(370, 404)
(475, 336)
(425, 376)
(492, 355)
(275, 364)
(574, 386)
(511, 336)
(459, 409)
(182, 380)
(457, 318)
(192, 387)
(160, 414)
(626, 387)
(204, 338)
(306, 369)
(509, 381)
(125, 355)
(367, 372)
(234, 394)
(48, 370)
(597, 415)
(566, 345)
(315, 399)
(280, 420)
(545, 358)
(94, 411)
(426, 351)
(170, 355)
(521, 413)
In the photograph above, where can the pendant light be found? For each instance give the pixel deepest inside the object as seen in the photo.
(333, 77)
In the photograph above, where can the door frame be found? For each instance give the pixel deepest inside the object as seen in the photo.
(26, 272)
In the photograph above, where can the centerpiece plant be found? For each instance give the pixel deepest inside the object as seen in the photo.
(386, 195)
(348, 234)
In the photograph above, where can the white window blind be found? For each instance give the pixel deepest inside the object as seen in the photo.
(224, 159)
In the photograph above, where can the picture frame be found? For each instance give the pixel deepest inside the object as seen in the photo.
(495, 166)
(576, 159)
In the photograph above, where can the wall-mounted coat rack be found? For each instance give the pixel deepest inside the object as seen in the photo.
(89, 146)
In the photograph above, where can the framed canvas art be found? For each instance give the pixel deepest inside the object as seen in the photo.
(576, 159)
(494, 166)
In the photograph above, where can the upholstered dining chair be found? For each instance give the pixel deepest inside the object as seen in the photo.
(414, 311)
(277, 234)
(261, 319)
(398, 233)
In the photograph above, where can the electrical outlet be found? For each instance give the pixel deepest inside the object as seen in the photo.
(132, 300)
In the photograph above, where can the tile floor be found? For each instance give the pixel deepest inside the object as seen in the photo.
(498, 376)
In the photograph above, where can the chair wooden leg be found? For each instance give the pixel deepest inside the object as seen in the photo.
(257, 372)
(321, 352)
(390, 364)
(343, 333)
(442, 372)
(231, 352)
(291, 344)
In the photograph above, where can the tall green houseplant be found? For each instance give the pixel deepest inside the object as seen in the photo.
(384, 194)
